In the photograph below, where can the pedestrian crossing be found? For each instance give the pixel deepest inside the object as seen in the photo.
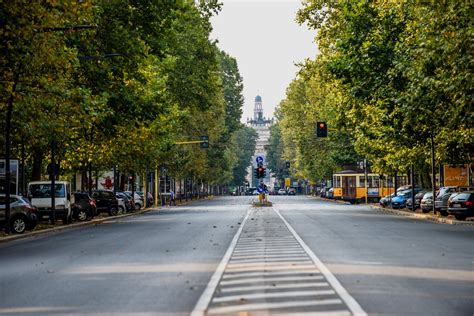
(270, 271)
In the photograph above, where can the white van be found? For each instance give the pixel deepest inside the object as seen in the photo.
(39, 193)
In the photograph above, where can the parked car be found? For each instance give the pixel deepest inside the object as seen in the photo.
(330, 193)
(441, 201)
(137, 200)
(281, 192)
(23, 215)
(291, 191)
(84, 207)
(418, 197)
(129, 205)
(462, 205)
(400, 201)
(122, 208)
(387, 200)
(106, 202)
(426, 203)
(39, 194)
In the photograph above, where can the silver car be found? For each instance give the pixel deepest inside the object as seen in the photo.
(23, 216)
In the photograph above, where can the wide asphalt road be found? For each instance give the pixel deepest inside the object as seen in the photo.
(161, 262)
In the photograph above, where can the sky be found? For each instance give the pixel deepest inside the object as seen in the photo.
(267, 42)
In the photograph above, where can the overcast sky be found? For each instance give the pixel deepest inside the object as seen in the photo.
(266, 41)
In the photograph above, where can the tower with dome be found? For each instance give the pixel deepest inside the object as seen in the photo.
(262, 126)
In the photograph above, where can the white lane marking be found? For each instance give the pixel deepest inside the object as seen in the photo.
(238, 250)
(290, 264)
(257, 306)
(269, 251)
(267, 238)
(206, 296)
(271, 295)
(272, 273)
(267, 268)
(272, 287)
(355, 308)
(266, 242)
(332, 313)
(275, 279)
(263, 256)
(260, 260)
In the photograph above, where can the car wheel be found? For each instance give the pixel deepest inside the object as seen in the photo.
(113, 211)
(137, 207)
(460, 217)
(82, 215)
(18, 225)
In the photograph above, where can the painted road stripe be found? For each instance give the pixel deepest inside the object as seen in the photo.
(269, 256)
(266, 242)
(331, 313)
(289, 265)
(247, 297)
(262, 260)
(269, 251)
(355, 308)
(256, 274)
(206, 296)
(275, 279)
(267, 268)
(233, 289)
(266, 306)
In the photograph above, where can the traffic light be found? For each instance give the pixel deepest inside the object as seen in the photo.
(287, 164)
(204, 141)
(260, 172)
(321, 129)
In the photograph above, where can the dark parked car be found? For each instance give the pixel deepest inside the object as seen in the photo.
(462, 205)
(127, 199)
(23, 215)
(387, 200)
(426, 203)
(441, 201)
(418, 198)
(106, 201)
(84, 207)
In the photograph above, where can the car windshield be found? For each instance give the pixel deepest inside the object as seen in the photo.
(462, 197)
(39, 191)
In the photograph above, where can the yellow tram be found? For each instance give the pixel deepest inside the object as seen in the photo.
(350, 185)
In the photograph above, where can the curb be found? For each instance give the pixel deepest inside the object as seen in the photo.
(428, 217)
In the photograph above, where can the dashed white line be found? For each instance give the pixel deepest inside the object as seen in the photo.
(274, 279)
(256, 274)
(243, 297)
(272, 287)
(250, 307)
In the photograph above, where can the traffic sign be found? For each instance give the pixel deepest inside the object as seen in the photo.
(259, 159)
(260, 189)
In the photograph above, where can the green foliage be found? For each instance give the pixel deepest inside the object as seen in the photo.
(121, 94)
(389, 77)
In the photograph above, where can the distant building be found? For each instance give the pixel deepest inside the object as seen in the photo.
(262, 126)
